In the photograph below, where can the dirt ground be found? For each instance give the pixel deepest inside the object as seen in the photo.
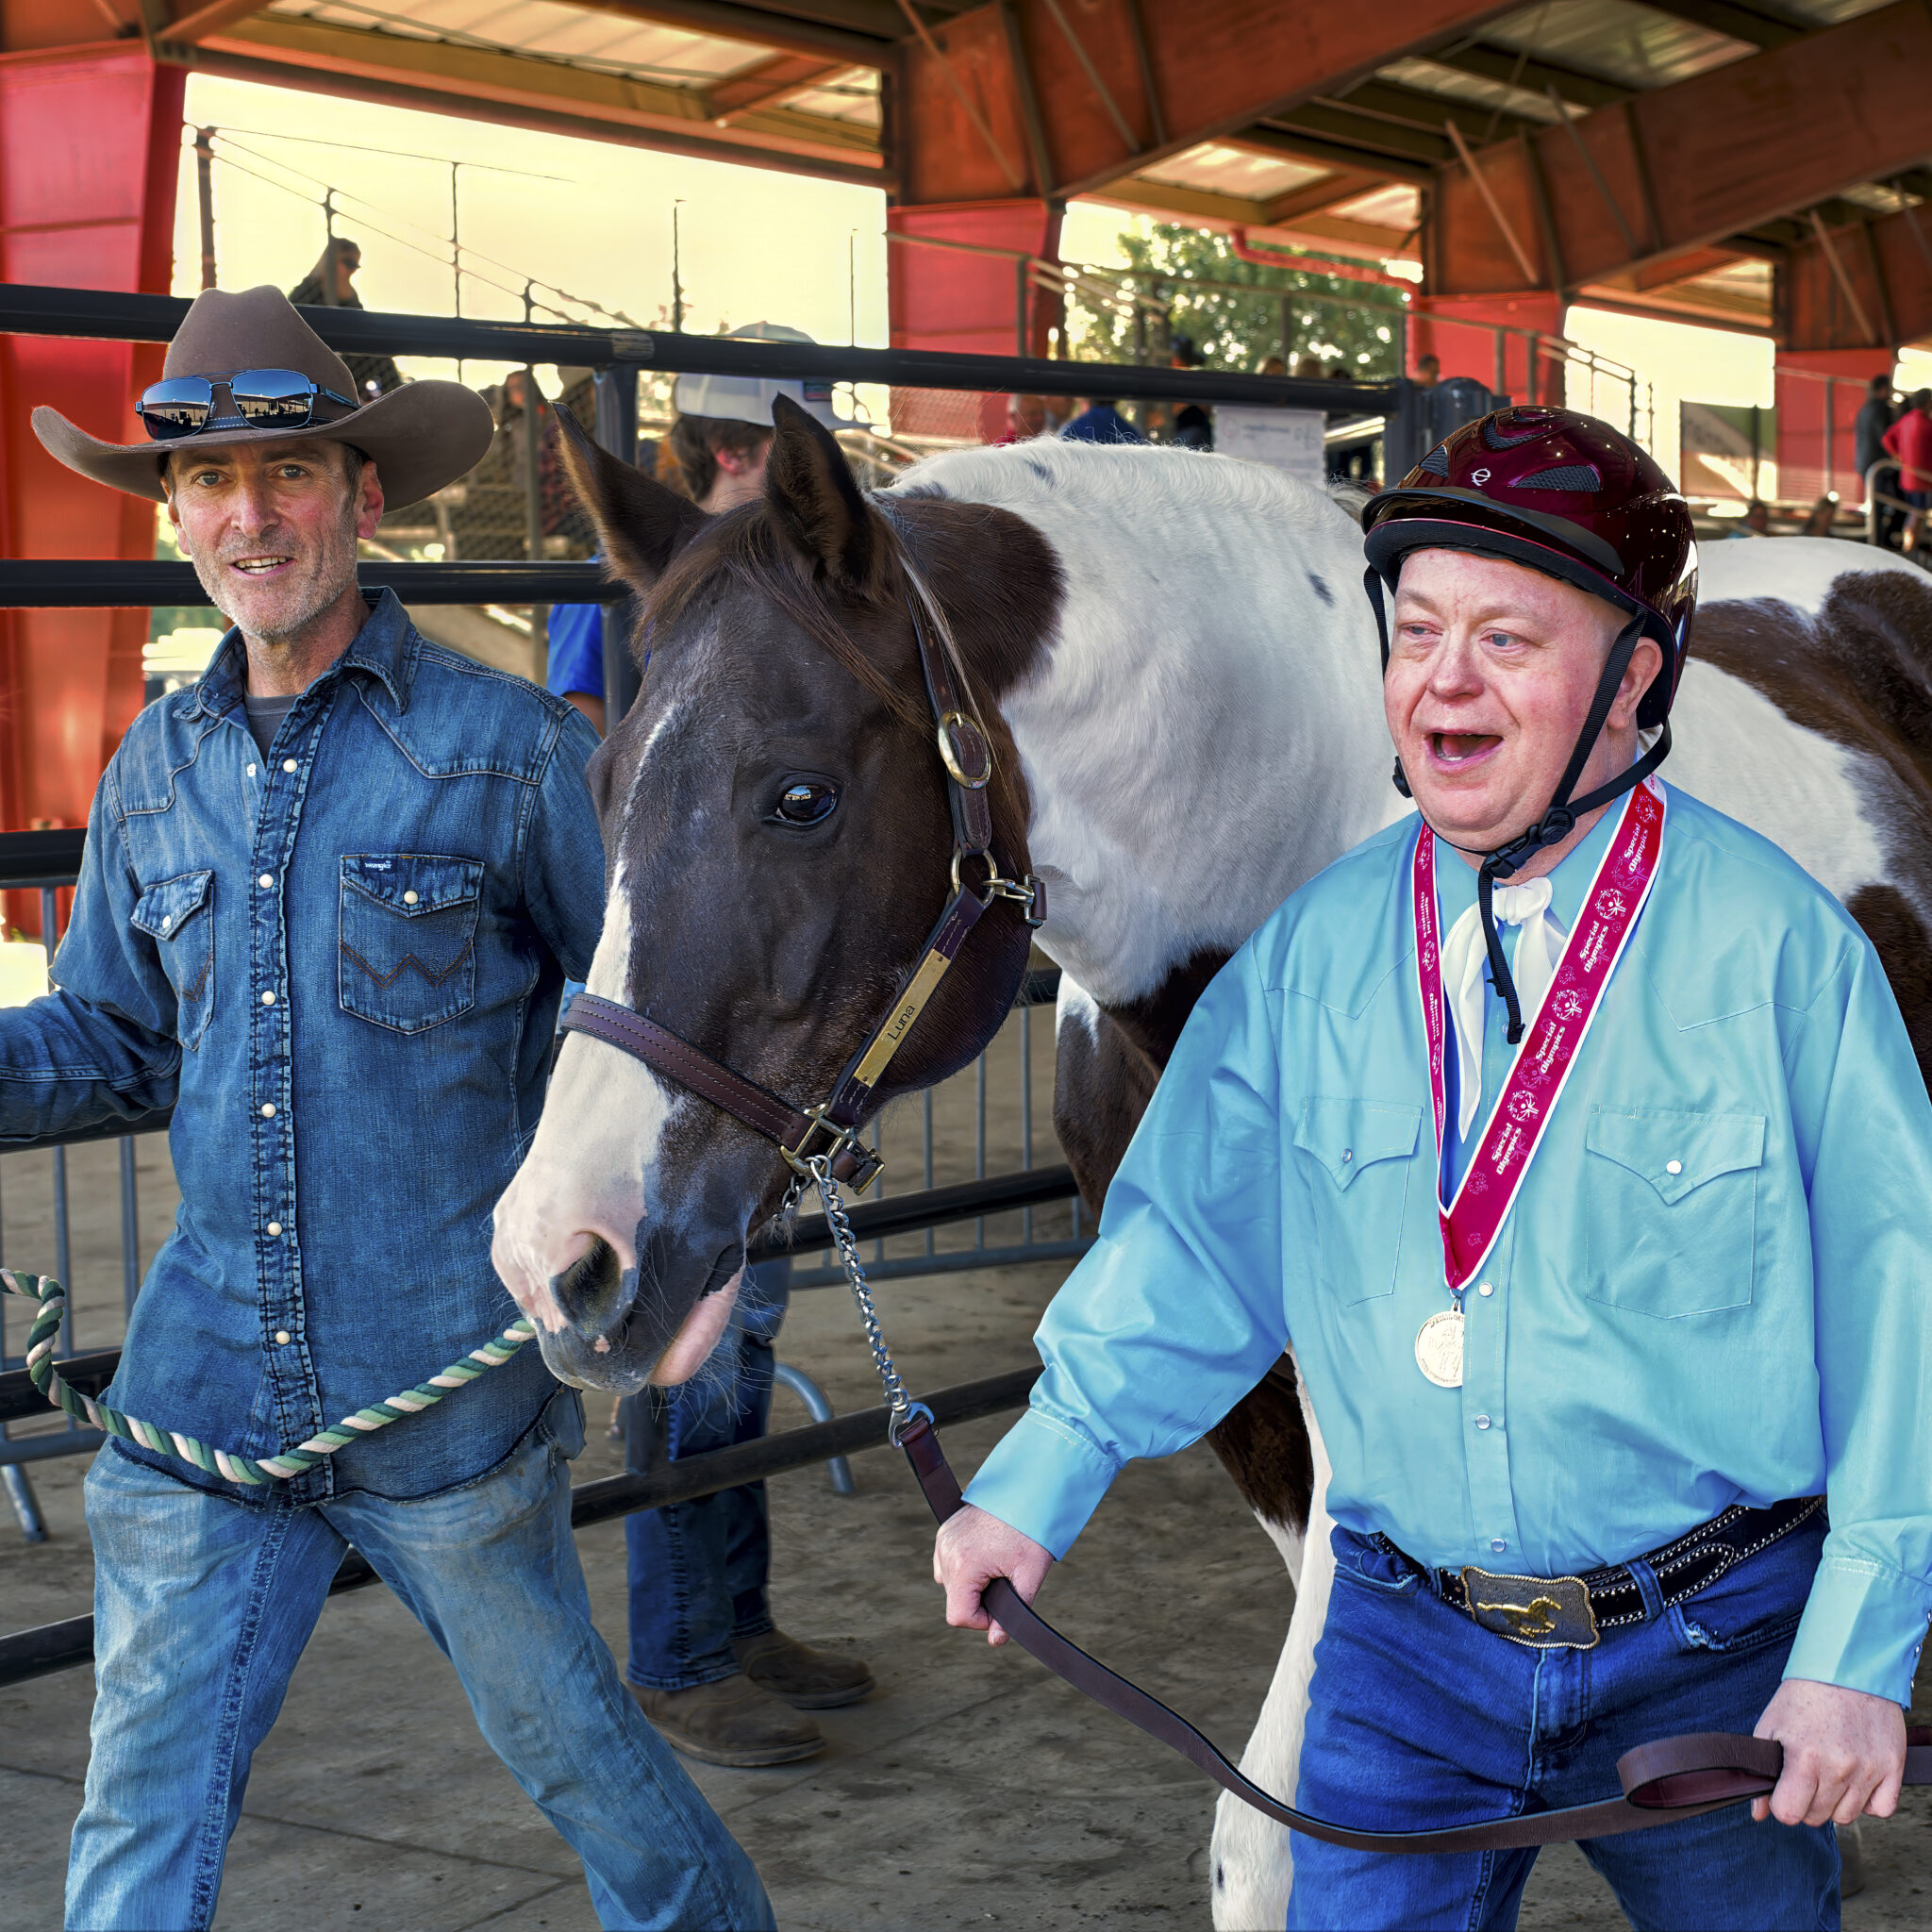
(970, 1789)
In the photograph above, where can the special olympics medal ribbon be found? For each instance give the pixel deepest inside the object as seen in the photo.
(1471, 1223)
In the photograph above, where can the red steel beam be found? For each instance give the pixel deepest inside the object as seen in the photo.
(89, 140)
(1889, 263)
(1218, 65)
(1689, 164)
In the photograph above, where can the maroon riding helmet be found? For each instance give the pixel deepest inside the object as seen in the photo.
(1578, 500)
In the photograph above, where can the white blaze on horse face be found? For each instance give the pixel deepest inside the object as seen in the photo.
(586, 1173)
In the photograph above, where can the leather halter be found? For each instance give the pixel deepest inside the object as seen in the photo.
(829, 1131)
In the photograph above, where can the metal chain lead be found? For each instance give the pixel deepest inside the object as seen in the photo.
(902, 1410)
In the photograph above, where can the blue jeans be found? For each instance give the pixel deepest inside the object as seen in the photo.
(203, 1605)
(1419, 1717)
(698, 1571)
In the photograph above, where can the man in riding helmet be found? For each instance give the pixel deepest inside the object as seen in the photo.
(1571, 1134)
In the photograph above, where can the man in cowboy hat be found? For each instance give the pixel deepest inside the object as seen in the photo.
(1603, 1253)
(329, 898)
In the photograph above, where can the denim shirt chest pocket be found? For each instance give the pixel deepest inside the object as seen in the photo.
(178, 915)
(1361, 1153)
(409, 938)
(1673, 1209)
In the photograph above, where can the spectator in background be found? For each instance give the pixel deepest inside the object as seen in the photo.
(1194, 427)
(1026, 417)
(1273, 365)
(1429, 371)
(1911, 440)
(1755, 521)
(374, 374)
(1101, 422)
(1874, 418)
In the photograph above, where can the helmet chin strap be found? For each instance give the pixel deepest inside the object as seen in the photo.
(1560, 819)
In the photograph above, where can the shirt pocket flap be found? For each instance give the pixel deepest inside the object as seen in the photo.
(1346, 1136)
(162, 910)
(414, 883)
(1677, 1152)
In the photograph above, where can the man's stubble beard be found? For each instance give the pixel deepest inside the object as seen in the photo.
(332, 574)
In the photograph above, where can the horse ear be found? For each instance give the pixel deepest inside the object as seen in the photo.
(641, 524)
(809, 489)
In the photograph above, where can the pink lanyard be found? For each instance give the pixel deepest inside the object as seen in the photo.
(1472, 1221)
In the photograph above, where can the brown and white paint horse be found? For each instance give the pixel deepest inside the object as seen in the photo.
(1179, 672)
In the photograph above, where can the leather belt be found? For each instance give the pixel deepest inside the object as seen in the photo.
(1552, 1612)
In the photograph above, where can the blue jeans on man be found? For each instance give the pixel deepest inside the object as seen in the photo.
(1419, 1718)
(710, 1669)
(698, 1571)
(215, 1599)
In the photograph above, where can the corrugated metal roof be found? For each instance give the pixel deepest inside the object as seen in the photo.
(599, 41)
(852, 96)
(1430, 76)
(1235, 171)
(1616, 39)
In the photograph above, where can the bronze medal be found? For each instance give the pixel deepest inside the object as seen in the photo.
(1439, 1348)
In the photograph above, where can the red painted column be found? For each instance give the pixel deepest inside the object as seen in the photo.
(960, 298)
(1819, 392)
(89, 138)
(1460, 329)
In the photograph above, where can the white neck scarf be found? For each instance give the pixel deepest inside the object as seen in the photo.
(1465, 960)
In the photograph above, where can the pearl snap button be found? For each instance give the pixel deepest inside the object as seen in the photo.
(167, 920)
(1498, 1545)
(1482, 1421)
(282, 1335)
(268, 999)
(1674, 1167)
(410, 898)
(287, 764)
(1488, 1287)
(268, 1109)
(265, 881)
(275, 1227)
(1347, 1154)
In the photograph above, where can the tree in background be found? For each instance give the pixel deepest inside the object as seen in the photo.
(1238, 331)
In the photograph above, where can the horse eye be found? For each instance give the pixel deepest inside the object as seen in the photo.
(808, 804)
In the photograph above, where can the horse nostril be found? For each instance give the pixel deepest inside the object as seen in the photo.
(589, 1289)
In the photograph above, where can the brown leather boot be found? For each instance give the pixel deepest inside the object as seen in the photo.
(731, 1722)
(805, 1679)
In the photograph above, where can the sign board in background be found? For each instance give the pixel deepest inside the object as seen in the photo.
(1286, 440)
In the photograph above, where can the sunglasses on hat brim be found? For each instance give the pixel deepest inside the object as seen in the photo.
(179, 406)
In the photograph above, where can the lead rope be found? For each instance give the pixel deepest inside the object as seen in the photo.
(52, 1301)
(901, 1409)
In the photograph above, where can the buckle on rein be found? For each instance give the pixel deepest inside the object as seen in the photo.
(1538, 1612)
(823, 1139)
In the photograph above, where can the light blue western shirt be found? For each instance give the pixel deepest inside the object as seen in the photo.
(1712, 1287)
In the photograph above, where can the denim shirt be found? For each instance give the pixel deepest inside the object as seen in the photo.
(1711, 1289)
(342, 965)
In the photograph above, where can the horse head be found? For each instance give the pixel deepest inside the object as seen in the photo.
(777, 846)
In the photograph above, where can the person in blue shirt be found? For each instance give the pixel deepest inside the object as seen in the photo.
(706, 1662)
(329, 898)
(1602, 1256)
(1101, 422)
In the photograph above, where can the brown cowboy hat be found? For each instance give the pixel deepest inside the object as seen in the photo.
(418, 437)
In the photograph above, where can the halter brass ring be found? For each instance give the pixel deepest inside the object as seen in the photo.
(963, 751)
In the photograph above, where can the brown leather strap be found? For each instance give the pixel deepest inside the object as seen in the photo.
(694, 1070)
(1677, 1777)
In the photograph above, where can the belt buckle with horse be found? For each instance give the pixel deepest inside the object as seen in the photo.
(1539, 1612)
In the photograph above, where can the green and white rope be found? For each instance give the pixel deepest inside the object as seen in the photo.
(52, 1301)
